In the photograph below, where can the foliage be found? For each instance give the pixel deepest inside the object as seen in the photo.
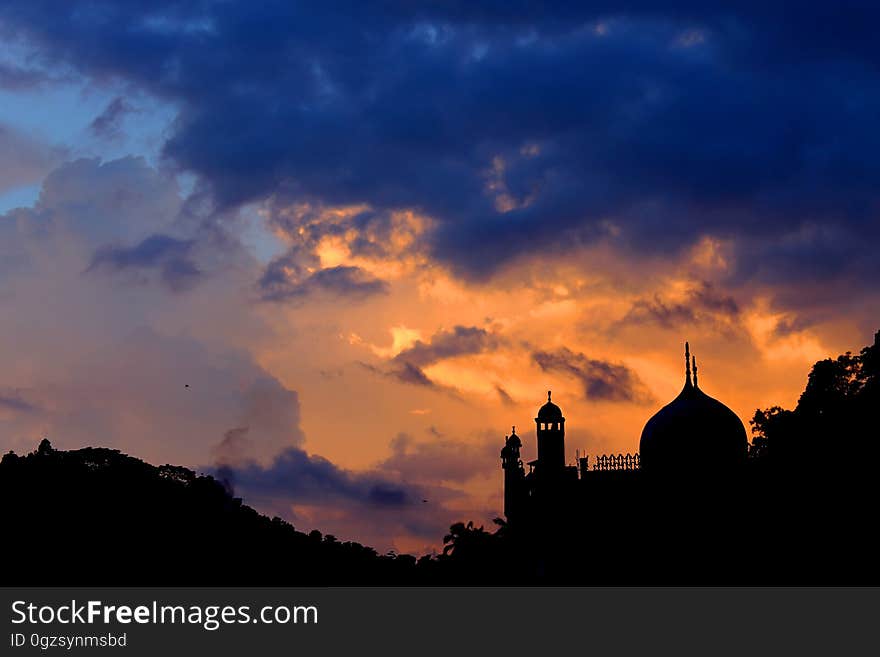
(837, 411)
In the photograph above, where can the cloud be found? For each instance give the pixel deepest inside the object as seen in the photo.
(108, 124)
(372, 505)
(404, 496)
(520, 130)
(412, 374)
(171, 257)
(99, 202)
(703, 303)
(169, 377)
(365, 232)
(23, 159)
(304, 478)
(408, 365)
(235, 447)
(161, 398)
(287, 279)
(460, 341)
(504, 396)
(161, 376)
(351, 282)
(601, 380)
(15, 77)
(439, 460)
(13, 401)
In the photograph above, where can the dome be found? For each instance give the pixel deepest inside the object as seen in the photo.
(549, 412)
(693, 432)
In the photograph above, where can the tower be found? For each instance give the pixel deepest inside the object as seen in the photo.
(514, 476)
(550, 427)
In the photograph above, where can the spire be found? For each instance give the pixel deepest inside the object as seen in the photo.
(687, 363)
(513, 430)
(548, 396)
(694, 361)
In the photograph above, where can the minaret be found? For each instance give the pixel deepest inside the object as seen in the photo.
(550, 427)
(514, 476)
(687, 365)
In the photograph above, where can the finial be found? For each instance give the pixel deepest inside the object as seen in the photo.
(694, 360)
(513, 430)
(548, 396)
(687, 362)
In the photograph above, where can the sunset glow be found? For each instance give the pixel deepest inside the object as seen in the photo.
(350, 275)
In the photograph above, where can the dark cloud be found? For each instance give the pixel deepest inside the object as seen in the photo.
(108, 124)
(407, 366)
(295, 276)
(518, 126)
(409, 374)
(171, 258)
(12, 400)
(303, 478)
(704, 303)
(412, 374)
(460, 341)
(372, 505)
(347, 282)
(298, 274)
(366, 233)
(601, 380)
(787, 326)
(376, 505)
(504, 396)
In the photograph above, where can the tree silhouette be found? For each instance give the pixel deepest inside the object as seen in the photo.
(837, 411)
(139, 523)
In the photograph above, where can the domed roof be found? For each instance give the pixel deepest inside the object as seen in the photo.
(513, 439)
(549, 412)
(693, 432)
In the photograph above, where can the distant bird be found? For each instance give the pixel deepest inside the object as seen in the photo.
(186, 385)
(424, 500)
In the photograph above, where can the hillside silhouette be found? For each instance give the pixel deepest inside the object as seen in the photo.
(801, 510)
(96, 516)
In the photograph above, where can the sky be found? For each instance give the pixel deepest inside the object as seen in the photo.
(332, 252)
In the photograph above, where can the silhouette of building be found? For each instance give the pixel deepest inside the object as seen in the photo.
(693, 431)
(692, 436)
